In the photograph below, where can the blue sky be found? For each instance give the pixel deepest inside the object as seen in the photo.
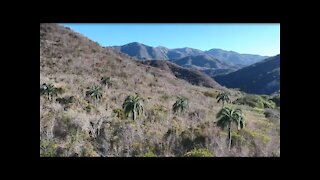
(262, 39)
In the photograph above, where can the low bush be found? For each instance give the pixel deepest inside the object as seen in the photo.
(119, 113)
(150, 154)
(238, 140)
(47, 148)
(210, 94)
(203, 152)
(251, 135)
(271, 114)
(66, 101)
(276, 99)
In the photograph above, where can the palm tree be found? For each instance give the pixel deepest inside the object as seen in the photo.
(180, 105)
(132, 105)
(49, 91)
(94, 92)
(226, 116)
(224, 97)
(106, 81)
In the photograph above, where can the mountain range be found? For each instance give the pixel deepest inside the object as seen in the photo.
(145, 52)
(250, 73)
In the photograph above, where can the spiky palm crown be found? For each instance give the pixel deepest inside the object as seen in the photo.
(49, 90)
(132, 104)
(227, 115)
(180, 105)
(94, 92)
(223, 96)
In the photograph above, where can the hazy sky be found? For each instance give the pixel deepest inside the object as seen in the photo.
(262, 39)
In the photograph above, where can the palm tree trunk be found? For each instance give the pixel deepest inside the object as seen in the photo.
(222, 104)
(133, 114)
(229, 135)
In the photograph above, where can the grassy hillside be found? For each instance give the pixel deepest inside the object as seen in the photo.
(82, 113)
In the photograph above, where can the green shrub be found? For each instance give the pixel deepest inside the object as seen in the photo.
(88, 151)
(119, 113)
(250, 100)
(165, 97)
(66, 101)
(255, 101)
(265, 139)
(186, 139)
(265, 97)
(149, 154)
(73, 133)
(269, 104)
(189, 143)
(251, 135)
(203, 152)
(238, 139)
(181, 105)
(258, 110)
(204, 125)
(210, 94)
(276, 100)
(47, 148)
(199, 141)
(88, 107)
(136, 149)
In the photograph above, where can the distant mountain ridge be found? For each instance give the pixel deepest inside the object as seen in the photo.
(259, 78)
(234, 57)
(145, 52)
(206, 64)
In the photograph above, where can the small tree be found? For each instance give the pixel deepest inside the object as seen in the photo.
(133, 105)
(94, 92)
(226, 116)
(181, 105)
(223, 97)
(49, 91)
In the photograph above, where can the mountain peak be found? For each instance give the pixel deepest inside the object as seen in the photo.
(134, 43)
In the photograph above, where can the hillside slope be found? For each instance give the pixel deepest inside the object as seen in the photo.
(260, 78)
(191, 75)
